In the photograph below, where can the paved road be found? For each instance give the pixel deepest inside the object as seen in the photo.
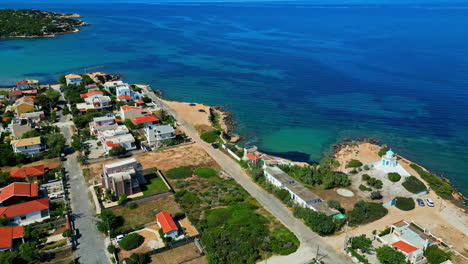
(91, 249)
(310, 241)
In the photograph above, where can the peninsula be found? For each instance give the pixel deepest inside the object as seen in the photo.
(32, 23)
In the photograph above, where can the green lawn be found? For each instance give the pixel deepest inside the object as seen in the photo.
(155, 186)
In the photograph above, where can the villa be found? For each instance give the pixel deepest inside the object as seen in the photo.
(23, 105)
(28, 146)
(26, 84)
(127, 141)
(103, 123)
(109, 86)
(409, 240)
(94, 100)
(122, 177)
(167, 224)
(18, 191)
(27, 212)
(73, 79)
(9, 235)
(131, 112)
(125, 94)
(31, 174)
(155, 135)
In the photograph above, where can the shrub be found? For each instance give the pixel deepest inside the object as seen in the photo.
(180, 172)
(67, 233)
(205, 172)
(356, 255)
(383, 152)
(317, 221)
(440, 187)
(365, 212)
(435, 255)
(140, 258)
(55, 245)
(131, 241)
(384, 232)
(122, 199)
(405, 204)
(111, 249)
(376, 195)
(179, 216)
(414, 185)
(210, 136)
(334, 204)
(364, 188)
(117, 151)
(365, 177)
(354, 163)
(132, 206)
(386, 254)
(361, 242)
(394, 177)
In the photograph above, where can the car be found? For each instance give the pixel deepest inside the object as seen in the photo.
(420, 202)
(62, 157)
(429, 202)
(214, 145)
(119, 237)
(53, 196)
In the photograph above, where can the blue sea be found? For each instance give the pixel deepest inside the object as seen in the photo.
(298, 76)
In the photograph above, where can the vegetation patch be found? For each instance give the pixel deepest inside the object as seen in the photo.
(394, 176)
(210, 136)
(316, 175)
(387, 254)
(365, 212)
(155, 185)
(435, 255)
(131, 241)
(205, 172)
(354, 163)
(317, 221)
(405, 204)
(439, 186)
(364, 188)
(180, 172)
(414, 185)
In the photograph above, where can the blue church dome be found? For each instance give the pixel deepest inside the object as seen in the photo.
(390, 153)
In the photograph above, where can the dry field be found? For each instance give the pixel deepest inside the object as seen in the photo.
(165, 159)
(184, 254)
(36, 163)
(144, 213)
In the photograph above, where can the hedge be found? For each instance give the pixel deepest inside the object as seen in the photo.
(394, 177)
(131, 241)
(405, 204)
(440, 187)
(414, 185)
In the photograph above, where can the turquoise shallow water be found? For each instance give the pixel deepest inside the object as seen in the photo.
(297, 77)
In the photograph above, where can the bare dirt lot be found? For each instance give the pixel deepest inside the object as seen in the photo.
(165, 159)
(184, 254)
(36, 163)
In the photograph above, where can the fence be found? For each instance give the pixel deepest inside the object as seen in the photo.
(231, 153)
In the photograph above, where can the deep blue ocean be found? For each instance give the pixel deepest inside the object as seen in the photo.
(299, 77)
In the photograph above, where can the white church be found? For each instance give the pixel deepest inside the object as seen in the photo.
(389, 163)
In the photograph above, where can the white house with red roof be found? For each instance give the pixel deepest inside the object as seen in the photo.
(167, 225)
(125, 140)
(18, 191)
(125, 94)
(94, 100)
(9, 235)
(409, 240)
(27, 212)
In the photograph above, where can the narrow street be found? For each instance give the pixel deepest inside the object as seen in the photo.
(310, 241)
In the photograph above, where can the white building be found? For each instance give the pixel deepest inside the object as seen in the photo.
(28, 146)
(125, 94)
(94, 100)
(73, 79)
(389, 163)
(102, 123)
(27, 212)
(108, 86)
(155, 135)
(122, 176)
(277, 177)
(125, 140)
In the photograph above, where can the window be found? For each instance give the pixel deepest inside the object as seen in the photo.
(23, 217)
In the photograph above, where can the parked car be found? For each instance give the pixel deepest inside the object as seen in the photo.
(214, 145)
(429, 202)
(119, 237)
(62, 157)
(420, 202)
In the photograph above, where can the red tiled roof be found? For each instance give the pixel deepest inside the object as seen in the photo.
(124, 96)
(140, 101)
(144, 119)
(403, 246)
(21, 82)
(129, 107)
(91, 93)
(28, 171)
(5, 119)
(24, 208)
(15, 93)
(252, 157)
(166, 222)
(7, 234)
(111, 144)
(18, 189)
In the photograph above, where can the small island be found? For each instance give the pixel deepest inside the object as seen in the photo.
(32, 23)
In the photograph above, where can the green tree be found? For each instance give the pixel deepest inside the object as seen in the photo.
(435, 255)
(131, 241)
(109, 220)
(67, 233)
(56, 143)
(122, 199)
(394, 177)
(117, 151)
(376, 195)
(140, 258)
(86, 79)
(76, 142)
(334, 204)
(388, 255)
(163, 116)
(62, 79)
(405, 204)
(53, 97)
(361, 242)
(354, 163)
(30, 134)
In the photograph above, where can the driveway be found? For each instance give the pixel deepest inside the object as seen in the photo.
(90, 242)
(310, 241)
